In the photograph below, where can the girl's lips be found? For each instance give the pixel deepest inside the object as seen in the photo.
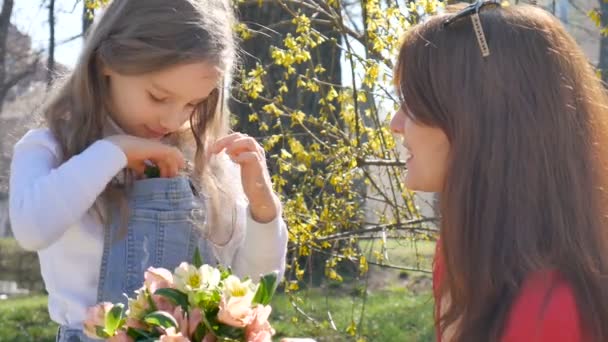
(154, 134)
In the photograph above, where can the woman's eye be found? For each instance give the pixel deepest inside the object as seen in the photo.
(156, 99)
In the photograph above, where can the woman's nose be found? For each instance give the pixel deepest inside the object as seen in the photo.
(397, 122)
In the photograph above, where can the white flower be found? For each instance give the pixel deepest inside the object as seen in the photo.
(233, 287)
(139, 306)
(189, 278)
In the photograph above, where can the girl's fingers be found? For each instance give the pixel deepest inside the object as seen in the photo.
(164, 172)
(245, 157)
(224, 142)
(247, 143)
(139, 169)
(173, 156)
(174, 170)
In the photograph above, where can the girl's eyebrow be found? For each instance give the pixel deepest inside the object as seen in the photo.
(154, 85)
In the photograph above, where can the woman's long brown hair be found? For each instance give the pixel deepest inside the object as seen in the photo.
(526, 184)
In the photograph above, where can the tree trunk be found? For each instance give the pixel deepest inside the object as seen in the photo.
(87, 19)
(5, 21)
(51, 58)
(603, 62)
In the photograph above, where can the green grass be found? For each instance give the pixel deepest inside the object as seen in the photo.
(401, 252)
(390, 315)
(26, 319)
(397, 308)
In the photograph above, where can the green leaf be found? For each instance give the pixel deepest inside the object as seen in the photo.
(197, 260)
(150, 301)
(206, 300)
(211, 321)
(100, 332)
(266, 288)
(230, 332)
(152, 171)
(138, 334)
(177, 297)
(114, 319)
(225, 272)
(161, 319)
(200, 332)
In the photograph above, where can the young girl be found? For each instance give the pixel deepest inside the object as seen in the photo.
(505, 118)
(148, 88)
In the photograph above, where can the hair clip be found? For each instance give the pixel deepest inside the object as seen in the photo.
(472, 10)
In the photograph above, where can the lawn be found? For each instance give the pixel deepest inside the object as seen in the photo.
(397, 305)
(402, 252)
(390, 315)
(26, 320)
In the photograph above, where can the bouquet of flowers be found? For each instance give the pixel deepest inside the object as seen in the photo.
(196, 302)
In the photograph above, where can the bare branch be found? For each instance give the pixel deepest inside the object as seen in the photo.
(379, 228)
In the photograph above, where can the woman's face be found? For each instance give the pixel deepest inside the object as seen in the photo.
(428, 150)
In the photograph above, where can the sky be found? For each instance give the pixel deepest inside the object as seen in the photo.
(32, 18)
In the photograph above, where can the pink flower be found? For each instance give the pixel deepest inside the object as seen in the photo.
(259, 330)
(187, 325)
(173, 336)
(196, 317)
(157, 278)
(163, 304)
(262, 336)
(134, 323)
(236, 311)
(209, 338)
(121, 336)
(96, 317)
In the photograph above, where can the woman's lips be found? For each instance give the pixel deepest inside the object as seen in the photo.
(407, 154)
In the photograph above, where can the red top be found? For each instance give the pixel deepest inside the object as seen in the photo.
(545, 310)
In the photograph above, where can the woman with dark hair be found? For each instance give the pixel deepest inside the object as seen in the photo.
(503, 116)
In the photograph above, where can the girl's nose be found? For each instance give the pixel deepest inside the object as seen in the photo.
(174, 121)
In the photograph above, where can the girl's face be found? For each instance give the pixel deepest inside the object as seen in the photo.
(156, 104)
(428, 149)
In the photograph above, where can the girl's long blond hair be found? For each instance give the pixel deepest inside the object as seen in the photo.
(134, 37)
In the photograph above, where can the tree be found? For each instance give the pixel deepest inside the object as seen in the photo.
(17, 64)
(273, 22)
(306, 116)
(88, 13)
(603, 60)
(22, 62)
(327, 134)
(5, 21)
(51, 57)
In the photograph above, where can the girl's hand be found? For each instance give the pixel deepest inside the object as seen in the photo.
(168, 159)
(245, 151)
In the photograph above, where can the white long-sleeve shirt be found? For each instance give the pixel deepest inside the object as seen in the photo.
(50, 211)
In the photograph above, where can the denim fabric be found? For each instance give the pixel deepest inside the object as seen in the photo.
(165, 220)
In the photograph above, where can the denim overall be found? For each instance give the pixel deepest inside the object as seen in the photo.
(164, 229)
